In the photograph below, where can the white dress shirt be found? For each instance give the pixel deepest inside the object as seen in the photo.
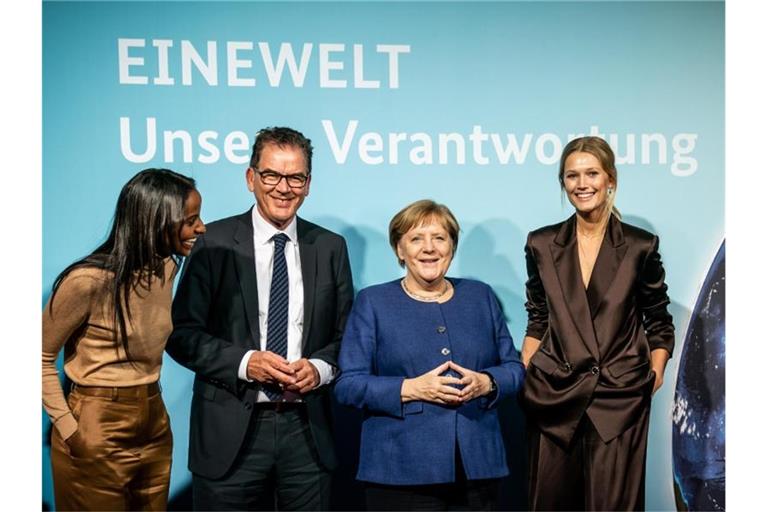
(264, 249)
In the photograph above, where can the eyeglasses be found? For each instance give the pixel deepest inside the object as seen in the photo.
(272, 178)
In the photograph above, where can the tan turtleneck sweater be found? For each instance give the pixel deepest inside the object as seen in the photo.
(82, 322)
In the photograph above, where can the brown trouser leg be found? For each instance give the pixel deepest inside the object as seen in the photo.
(120, 456)
(590, 474)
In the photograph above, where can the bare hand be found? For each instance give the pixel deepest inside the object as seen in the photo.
(659, 380)
(476, 384)
(307, 376)
(269, 368)
(432, 387)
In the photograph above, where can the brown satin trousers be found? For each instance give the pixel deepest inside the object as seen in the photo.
(120, 456)
(590, 474)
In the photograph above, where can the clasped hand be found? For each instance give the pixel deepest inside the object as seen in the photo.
(435, 387)
(269, 368)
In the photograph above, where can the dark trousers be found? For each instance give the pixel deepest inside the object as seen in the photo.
(120, 456)
(462, 494)
(277, 468)
(590, 474)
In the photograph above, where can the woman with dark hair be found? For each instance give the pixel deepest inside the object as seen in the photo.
(428, 359)
(598, 340)
(111, 312)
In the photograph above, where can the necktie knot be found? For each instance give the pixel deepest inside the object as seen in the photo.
(280, 240)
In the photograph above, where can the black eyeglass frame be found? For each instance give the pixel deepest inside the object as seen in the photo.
(264, 176)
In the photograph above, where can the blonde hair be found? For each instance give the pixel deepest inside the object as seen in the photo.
(418, 213)
(600, 149)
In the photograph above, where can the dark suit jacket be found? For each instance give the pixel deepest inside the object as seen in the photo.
(595, 348)
(216, 321)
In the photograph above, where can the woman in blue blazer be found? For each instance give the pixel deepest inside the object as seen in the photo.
(427, 358)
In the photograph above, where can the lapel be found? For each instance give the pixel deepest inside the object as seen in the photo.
(308, 255)
(245, 264)
(565, 255)
(609, 259)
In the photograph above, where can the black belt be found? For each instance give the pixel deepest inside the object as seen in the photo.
(279, 406)
(119, 393)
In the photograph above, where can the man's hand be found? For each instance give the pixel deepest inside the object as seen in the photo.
(269, 368)
(307, 376)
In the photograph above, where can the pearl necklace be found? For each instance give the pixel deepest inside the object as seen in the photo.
(422, 298)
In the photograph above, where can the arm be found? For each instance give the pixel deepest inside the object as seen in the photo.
(190, 345)
(657, 322)
(536, 305)
(344, 294)
(70, 313)
(358, 385)
(530, 346)
(319, 367)
(507, 375)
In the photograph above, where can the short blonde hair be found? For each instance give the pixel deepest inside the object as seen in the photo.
(418, 213)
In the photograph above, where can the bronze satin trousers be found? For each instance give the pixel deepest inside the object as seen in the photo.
(120, 456)
(590, 474)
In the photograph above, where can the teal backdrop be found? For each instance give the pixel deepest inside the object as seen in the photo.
(467, 103)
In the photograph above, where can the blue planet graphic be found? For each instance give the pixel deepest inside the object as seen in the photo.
(698, 421)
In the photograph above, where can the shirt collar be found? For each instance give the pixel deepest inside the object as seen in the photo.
(263, 231)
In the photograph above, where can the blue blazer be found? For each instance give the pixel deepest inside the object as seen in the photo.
(390, 337)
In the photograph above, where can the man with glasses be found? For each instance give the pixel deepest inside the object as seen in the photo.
(258, 316)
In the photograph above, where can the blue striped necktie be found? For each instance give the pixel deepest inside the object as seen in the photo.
(277, 316)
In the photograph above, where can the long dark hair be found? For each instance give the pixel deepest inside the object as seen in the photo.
(147, 218)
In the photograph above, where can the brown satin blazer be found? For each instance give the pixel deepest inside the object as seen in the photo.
(595, 348)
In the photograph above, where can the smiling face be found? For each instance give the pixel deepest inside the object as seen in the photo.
(427, 251)
(191, 226)
(586, 183)
(278, 204)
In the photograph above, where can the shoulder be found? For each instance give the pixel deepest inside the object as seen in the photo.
(310, 232)
(637, 233)
(86, 279)
(82, 282)
(382, 291)
(638, 236)
(227, 226)
(545, 235)
(471, 289)
(469, 285)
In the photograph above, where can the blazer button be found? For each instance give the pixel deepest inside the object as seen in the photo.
(441, 329)
(445, 351)
(595, 370)
(248, 405)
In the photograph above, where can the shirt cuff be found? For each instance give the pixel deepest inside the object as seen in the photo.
(66, 425)
(327, 371)
(242, 371)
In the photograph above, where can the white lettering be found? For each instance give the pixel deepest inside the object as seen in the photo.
(233, 64)
(275, 72)
(340, 151)
(360, 82)
(394, 51)
(557, 148)
(125, 141)
(208, 68)
(125, 61)
(369, 142)
(327, 65)
(205, 141)
(163, 77)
